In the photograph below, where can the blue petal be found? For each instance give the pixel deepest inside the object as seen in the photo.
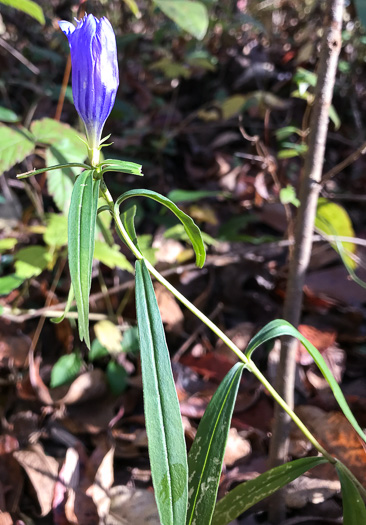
(95, 76)
(66, 27)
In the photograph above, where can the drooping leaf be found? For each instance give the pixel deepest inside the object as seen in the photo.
(190, 227)
(278, 328)
(15, 145)
(9, 283)
(190, 15)
(65, 369)
(354, 510)
(247, 494)
(167, 449)
(207, 452)
(332, 219)
(81, 234)
(27, 6)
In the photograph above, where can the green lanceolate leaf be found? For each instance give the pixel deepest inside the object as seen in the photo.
(190, 226)
(81, 233)
(251, 492)
(27, 174)
(354, 510)
(280, 327)
(190, 15)
(121, 166)
(207, 452)
(15, 145)
(167, 449)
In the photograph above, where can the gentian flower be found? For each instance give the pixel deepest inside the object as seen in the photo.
(94, 74)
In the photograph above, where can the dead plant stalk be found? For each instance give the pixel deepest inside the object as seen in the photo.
(300, 256)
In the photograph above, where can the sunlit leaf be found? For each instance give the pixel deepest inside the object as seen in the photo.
(190, 15)
(278, 328)
(167, 448)
(27, 6)
(247, 494)
(15, 145)
(207, 452)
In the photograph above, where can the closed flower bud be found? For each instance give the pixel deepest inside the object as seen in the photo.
(94, 73)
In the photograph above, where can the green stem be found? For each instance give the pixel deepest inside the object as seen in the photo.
(248, 362)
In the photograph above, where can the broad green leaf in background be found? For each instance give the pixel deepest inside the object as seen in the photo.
(247, 494)
(31, 261)
(288, 196)
(97, 351)
(81, 233)
(332, 219)
(65, 147)
(111, 256)
(278, 328)
(167, 448)
(10, 283)
(130, 342)
(207, 452)
(65, 369)
(15, 145)
(7, 115)
(354, 510)
(7, 244)
(27, 6)
(56, 230)
(117, 377)
(361, 11)
(190, 227)
(190, 15)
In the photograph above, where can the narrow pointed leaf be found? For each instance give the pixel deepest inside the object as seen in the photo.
(81, 234)
(190, 226)
(207, 452)
(278, 328)
(69, 301)
(247, 494)
(121, 165)
(167, 449)
(354, 510)
(27, 174)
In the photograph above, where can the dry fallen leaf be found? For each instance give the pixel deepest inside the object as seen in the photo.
(305, 490)
(103, 481)
(337, 435)
(132, 506)
(42, 472)
(170, 312)
(86, 387)
(237, 448)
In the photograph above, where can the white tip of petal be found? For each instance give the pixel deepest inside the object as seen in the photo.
(66, 27)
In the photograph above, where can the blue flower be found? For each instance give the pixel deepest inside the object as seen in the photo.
(94, 73)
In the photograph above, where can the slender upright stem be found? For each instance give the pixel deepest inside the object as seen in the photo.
(300, 256)
(247, 361)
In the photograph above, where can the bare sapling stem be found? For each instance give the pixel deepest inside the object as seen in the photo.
(304, 226)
